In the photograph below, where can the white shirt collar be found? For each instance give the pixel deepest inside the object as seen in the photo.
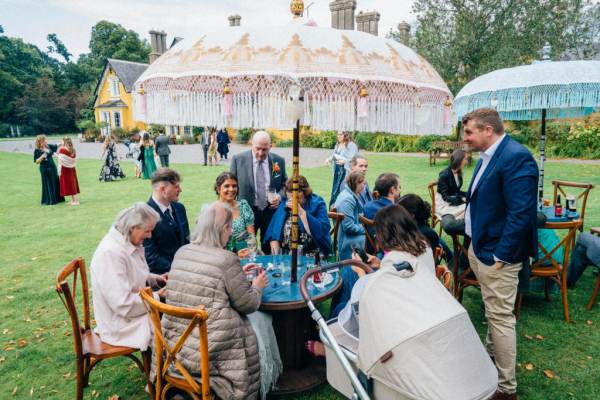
(162, 207)
(489, 153)
(255, 160)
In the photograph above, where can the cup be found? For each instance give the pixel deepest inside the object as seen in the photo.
(546, 202)
(272, 196)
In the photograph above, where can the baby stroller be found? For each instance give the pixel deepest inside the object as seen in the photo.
(437, 356)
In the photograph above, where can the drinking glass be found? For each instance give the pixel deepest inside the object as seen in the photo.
(272, 196)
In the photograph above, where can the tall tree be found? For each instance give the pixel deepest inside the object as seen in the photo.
(57, 46)
(463, 39)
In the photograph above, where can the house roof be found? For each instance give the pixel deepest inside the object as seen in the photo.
(112, 104)
(127, 71)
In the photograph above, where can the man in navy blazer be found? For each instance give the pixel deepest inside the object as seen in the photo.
(172, 231)
(500, 219)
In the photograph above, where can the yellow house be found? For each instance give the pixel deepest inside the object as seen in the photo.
(114, 100)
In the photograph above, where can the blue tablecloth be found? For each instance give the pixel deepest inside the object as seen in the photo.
(566, 217)
(280, 290)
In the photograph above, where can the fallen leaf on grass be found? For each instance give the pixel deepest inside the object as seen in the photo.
(42, 387)
(529, 366)
(10, 297)
(528, 337)
(8, 348)
(27, 319)
(67, 375)
(5, 331)
(539, 337)
(589, 357)
(31, 392)
(549, 374)
(33, 258)
(114, 397)
(15, 390)
(2, 359)
(589, 322)
(22, 343)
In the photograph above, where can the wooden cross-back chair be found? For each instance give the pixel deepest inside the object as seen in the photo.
(551, 270)
(89, 348)
(371, 245)
(166, 356)
(434, 219)
(594, 231)
(581, 198)
(336, 220)
(465, 278)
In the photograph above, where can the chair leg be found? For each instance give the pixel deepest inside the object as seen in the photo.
(459, 292)
(547, 289)
(80, 379)
(594, 293)
(518, 305)
(565, 300)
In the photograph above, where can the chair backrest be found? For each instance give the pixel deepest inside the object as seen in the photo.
(336, 220)
(583, 190)
(432, 190)
(369, 227)
(167, 356)
(68, 296)
(566, 243)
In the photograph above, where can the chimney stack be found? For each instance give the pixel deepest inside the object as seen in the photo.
(404, 30)
(368, 22)
(342, 14)
(158, 44)
(234, 20)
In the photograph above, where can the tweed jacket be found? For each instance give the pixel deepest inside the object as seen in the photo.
(212, 277)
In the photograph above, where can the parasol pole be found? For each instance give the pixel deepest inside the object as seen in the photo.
(542, 157)
(295, 173)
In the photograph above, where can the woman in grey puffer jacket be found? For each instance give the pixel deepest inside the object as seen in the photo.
(203, 273)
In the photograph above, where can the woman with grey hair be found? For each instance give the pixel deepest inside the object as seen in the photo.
(205, 273)
(119, 271)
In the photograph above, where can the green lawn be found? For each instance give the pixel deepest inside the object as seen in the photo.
(36, 357)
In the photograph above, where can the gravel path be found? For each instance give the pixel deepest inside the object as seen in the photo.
(192, 153)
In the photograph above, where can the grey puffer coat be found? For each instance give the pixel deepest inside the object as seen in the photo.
(212, 277)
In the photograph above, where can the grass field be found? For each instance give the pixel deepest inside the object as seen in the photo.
(36, 356)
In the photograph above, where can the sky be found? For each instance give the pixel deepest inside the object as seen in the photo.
(72, 20)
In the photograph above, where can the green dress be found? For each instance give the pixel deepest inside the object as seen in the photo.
(240, 224)
(50, 182)
(149, 166)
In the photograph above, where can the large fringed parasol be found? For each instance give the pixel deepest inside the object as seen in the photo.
(540, 91)
(281, 77)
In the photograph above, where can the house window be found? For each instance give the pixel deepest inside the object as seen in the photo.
(114, 87)
(105, 117)
(174, 130)
(187, 130)
(117, 119)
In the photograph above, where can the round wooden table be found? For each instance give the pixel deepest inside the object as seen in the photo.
(293, 324)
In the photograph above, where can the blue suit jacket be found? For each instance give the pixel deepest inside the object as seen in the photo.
(504, 205)
(166, 239)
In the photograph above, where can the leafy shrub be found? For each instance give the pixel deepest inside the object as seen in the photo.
(155, 130)
(425, 142)
(119, 133)
(321, 140)
(284, 143)
(243, 135)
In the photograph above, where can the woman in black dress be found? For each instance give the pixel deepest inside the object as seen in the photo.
(42, 155)
(111, 170)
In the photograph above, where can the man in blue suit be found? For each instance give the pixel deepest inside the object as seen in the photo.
(172, 231)
(500, 219)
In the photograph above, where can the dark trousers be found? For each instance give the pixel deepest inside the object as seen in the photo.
(262, 219)
(205, 153)
(453, 226)
(164, 161)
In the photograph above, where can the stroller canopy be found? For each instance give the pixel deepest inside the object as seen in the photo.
(417, 339)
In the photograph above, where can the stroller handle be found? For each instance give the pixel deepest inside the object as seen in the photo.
(329, 267)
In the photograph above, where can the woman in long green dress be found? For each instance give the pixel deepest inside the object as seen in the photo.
(42, 155)
(147, 156)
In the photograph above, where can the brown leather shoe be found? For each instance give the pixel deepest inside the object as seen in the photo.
(503, 396)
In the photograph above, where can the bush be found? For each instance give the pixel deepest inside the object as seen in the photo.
(321, 140)
(243, 135)
(120, 133)
(284, 143)
(155, 130)
(425, 143)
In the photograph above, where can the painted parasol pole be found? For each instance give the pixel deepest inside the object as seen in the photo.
(295, 173)
(542, 157)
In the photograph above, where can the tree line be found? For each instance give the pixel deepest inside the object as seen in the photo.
(46, 90)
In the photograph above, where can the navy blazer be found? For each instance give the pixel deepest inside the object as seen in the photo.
(241, 166)
(503, 206)
(166, 239)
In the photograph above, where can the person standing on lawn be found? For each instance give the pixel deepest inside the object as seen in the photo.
(69, 186)
(162, 149)
(42, 155)
(500, 219)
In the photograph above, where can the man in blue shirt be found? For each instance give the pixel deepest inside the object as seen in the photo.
(388, 187)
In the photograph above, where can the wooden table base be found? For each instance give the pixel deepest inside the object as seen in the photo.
(294, 381)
